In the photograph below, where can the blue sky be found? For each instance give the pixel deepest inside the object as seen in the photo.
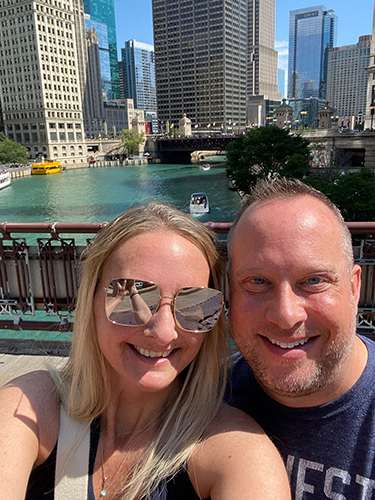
(134, 20)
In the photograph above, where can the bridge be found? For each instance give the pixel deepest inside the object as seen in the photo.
(179, 149)
(358, 146)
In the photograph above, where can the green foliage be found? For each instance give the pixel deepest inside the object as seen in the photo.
(296, 166)
(266, 152)
(173, 131)
(353, 193)
(12, 152)
(130, 141)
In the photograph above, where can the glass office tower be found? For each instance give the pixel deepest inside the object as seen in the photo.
(104, 55)
(312, 33)
(104, 12)
(138, 73)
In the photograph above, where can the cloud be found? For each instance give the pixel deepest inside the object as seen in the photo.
(282, 48)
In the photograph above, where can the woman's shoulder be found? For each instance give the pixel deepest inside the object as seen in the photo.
(230, 418)
(237, 459)
(32, 401)
(29, 427)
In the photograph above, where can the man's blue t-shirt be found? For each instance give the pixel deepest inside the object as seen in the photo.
(328, 450)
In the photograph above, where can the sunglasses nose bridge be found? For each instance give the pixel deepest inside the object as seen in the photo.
(172, 299)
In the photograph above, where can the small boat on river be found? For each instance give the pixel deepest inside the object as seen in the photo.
(205, 166)
(199, 203)
(4, 178)
(46, 167)
(219, 157)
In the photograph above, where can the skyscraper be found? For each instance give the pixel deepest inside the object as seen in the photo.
(281, 82)
(104, 12)
(42, 74)
(101, 31)
(262, 56)
(200, 61)
(347, 78)
(138, 73)
(312, 33)
(370, 104)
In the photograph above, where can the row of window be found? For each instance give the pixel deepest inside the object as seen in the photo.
(20, 39)
(22, 29)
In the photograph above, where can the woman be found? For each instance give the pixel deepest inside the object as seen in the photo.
(137, 411)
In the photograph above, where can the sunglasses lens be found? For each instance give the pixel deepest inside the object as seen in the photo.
(198, 309)
(131, 302)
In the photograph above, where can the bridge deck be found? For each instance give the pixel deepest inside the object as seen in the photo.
(13, 365)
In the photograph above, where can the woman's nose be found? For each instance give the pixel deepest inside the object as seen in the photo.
(162, 326)
(286, 309)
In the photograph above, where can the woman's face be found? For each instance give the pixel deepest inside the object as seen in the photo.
(148, 358)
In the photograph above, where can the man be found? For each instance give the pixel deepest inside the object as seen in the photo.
(294, 290)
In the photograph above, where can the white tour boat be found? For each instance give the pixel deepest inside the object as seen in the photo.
(199, 203)
(4, 179)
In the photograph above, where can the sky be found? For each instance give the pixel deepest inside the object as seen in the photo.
(355, 17)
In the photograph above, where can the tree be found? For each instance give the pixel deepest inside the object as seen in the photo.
(354, 194)
(12, 152)
(266, 152)
(130, 141)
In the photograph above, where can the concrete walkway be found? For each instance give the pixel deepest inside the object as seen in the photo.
(13, 365)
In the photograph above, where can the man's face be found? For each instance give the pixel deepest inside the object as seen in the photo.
(293, 298)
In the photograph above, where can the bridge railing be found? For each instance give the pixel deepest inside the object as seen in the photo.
(39, 280)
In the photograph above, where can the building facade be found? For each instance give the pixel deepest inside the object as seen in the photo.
(201, 61)
(138, 73)
(281, 82)
(103, 11)
(93, 104)
(347, 79)
(312, 33)
(262, 56)
(42, 65)
(370, 101)
(101, 31)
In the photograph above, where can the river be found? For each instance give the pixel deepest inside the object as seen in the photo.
(102, 193)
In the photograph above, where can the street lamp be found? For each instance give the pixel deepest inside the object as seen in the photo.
(296, 123)
(303, 113)
(372, 109)
(268, 118)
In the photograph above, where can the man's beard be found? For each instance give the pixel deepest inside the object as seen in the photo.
(301, 377)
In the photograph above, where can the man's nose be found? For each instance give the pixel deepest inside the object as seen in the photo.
(162, 326)
(285, 308)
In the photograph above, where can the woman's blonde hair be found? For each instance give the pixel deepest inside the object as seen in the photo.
(83, 383)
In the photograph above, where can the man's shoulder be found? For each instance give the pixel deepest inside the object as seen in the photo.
(370, 345)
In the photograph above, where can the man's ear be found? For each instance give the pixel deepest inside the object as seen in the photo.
(356, 283)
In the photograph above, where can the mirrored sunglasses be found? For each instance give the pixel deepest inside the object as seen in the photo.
(133, 302)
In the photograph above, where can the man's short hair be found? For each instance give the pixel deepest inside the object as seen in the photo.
(282, 188)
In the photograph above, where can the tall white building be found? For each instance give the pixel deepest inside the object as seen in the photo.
(262, 56)
(262, 92)
(42, 76)
(370, 102)
(347, 78)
